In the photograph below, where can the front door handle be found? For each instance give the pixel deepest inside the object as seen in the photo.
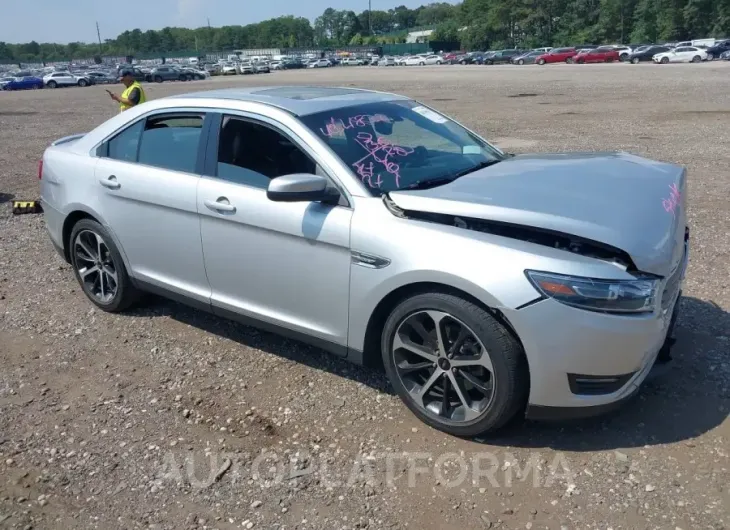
(110, 183)
(221, 205)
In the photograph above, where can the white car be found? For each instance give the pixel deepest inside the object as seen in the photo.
(386, 61)
(681, 54)
(352, 61)
(422, 60)
(229, 69)
(59, 79)
(320, 63)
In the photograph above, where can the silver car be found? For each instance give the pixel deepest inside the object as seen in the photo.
(486, 285)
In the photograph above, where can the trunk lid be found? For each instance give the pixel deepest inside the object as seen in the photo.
(629, 202)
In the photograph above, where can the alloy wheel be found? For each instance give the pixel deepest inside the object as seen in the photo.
(95, 266)
(443, 365)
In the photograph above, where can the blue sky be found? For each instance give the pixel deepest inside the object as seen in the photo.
(67, 21)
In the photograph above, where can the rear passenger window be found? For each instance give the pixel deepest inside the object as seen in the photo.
(171, 142)
(124, 145)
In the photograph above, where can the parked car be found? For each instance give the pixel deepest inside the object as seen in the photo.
(61, 79)
(320, 63)
(546, 304)
(472, 58)
(353, 61)
(527, 58)
(718, 49)
(195, 73)
(261, 67)
(423, 60)
(502, 56)
(386, 61)
(599, 55)
(557, 55)
(229, 69)
(646, 53)
(725, 56)
(102, 78)
(168, 73)
(681, 54)
(245, 68)
(21, 83)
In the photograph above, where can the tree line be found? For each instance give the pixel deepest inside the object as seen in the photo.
(475, 24)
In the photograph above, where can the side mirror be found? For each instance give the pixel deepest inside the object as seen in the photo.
(301, 187)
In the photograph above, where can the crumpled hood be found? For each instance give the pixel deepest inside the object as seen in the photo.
(629, 202)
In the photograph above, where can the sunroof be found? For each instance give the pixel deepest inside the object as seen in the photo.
(305, 92)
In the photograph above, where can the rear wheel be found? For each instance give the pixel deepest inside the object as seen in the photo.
(541, 61)
(569, 60)
(453, 364)
(82, 82)
(99, 268)
(158, 79)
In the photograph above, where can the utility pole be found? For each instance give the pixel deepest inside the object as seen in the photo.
(370, 17)
(208, 22)
(98, 34)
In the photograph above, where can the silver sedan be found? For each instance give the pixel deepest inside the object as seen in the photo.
(485, 285)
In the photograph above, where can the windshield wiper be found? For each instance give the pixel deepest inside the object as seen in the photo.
(432, 183)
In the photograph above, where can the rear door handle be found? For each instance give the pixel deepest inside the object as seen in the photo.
(221, 205)
(110, 183)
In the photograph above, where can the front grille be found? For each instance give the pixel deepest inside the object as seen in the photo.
(597, 385)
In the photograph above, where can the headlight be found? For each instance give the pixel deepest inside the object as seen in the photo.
(608, 296)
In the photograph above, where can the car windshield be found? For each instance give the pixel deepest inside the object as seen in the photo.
(395, 145)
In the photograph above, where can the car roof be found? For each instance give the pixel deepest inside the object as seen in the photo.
(298, 100)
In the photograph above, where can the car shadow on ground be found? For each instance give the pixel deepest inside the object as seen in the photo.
(265, 341)
(680, 401)
(6, 197)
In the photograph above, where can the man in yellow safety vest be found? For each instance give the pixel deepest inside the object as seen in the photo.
(133, 93)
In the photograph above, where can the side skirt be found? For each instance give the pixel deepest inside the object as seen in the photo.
(339, 350)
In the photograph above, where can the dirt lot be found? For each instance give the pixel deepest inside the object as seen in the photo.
(126, 421)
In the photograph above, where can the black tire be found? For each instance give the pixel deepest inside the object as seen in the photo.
(126, 294)
(664, 60)
(635, 60)
(422, 63)
(710, 57)
(158, 79)
(82, 83)
(183, 78)
(510, 371)
(520, 62)
(462, 63)
(52, 84)
(541, 61)
(569, 60)
(696, 59)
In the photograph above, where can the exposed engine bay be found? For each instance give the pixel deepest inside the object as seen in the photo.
(529, 234)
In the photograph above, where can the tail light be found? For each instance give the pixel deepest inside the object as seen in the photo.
(40, 169)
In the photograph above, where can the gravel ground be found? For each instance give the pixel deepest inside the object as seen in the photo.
(166, 417)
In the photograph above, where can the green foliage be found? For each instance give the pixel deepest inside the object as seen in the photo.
(489, 24)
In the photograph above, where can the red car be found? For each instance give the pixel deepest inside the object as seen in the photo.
(598, 55)
(558, 55)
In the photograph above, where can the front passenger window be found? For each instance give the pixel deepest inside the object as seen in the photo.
(252, 154)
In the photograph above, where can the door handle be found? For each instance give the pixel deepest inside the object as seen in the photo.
(110, 183)
(219, 205)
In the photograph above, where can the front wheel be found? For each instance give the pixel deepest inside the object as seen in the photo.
(664, 60)
(696, 59)
(541, 61)
(99, 268)
(635, 60)
(453, 364)
(158, 79)
(82, 82)
(569, 60)
(710, 57)
(52, 84)
(521, 62)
